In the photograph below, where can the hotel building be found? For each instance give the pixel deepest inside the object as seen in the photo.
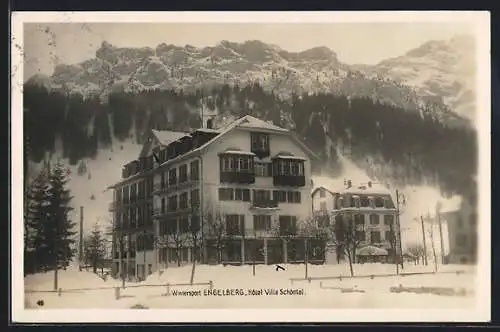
(235, 195)
(371, 208)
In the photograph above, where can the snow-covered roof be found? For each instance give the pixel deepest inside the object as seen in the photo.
(252, 122)
(165, 137)
(208, 130)
(237, 151)
(366, 190)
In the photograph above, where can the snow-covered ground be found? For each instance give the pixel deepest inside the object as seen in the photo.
(347, 293)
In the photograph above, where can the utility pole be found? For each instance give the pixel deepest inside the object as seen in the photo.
(81, 237)
(438, 216)
(423, 235)
(398, 225)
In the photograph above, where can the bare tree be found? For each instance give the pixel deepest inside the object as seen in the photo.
(216, 231)
(430, 231)
(347, 236)
(195, 238)
(417, 251)
(310, 231)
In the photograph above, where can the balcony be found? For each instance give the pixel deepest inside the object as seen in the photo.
(159, 188)
(237, 177)
(289, 180)
(265, 204)
(159, 213)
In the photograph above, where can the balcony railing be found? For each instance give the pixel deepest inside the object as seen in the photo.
(265, 204)
(237, 177)
(289, 180)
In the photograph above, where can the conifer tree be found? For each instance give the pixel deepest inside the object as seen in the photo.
(58, 228)
(36, 213)
(94, 248)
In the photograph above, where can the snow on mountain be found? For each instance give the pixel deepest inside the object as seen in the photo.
(443, 70)
(437, 69)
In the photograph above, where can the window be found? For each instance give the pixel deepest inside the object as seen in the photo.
(243, 164)
(184, 224)
(288, 225)
(261, 195)
(194, 171)
(226, 194)
(322, 206)
(263, 169)
(356, 202)
(322, 192)
(172, 203)
(293, 196)
(461, 240)
(171, 225)
(472, 219)
(280, 196)
(163, 205)
(238, 194)
(388, 236)
(183, 200)
(195, 222)
(195, 198)
(338, 202)
(133, 192)
(379, 202)
(262, 222)
(259, 142)
(235, 224)
(150, 269)
(246, 195)
(289, 167)
(375, 237)
(163, 227)
(460, 222)
(389, 204)
(133, 217)
(183, 175)
(360, 236)
(388, 219)
(374, 219)
(346, 200)
(162, 180)
(359, 220)
(172, 177)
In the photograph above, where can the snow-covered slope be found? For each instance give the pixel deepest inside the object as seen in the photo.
(443, 69)
(436, 69)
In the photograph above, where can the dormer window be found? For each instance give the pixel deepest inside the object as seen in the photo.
(260, 144)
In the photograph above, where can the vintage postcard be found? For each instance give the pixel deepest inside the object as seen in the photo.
(250, 167)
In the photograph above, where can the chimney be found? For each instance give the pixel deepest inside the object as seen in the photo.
(369, 184)
(349, 184)
(210, 124)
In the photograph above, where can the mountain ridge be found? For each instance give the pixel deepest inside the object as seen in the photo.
(317, 69)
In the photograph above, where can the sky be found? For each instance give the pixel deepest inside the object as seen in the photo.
(354, 43)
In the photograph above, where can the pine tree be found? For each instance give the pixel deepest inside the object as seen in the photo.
(58, 228)
(94, 248)
(36, 213)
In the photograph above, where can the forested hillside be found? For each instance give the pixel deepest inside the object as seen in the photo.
(406, 147)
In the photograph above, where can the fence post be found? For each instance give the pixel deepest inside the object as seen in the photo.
(117, 293)
(59, 291)
(211, 284)
(168, 289)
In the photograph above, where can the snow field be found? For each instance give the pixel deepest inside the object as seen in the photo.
(317, 294)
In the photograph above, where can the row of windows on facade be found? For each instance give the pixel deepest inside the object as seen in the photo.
(181, 201)
(129, 244)
(246, 164)
(139, 190)
(183, 176)
(359, 220)
(347, 201)
(280, 196)
(234, 224)
(135, 217)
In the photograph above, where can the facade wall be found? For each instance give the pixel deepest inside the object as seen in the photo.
(319, 202)
(462, 235)
(241, 139)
